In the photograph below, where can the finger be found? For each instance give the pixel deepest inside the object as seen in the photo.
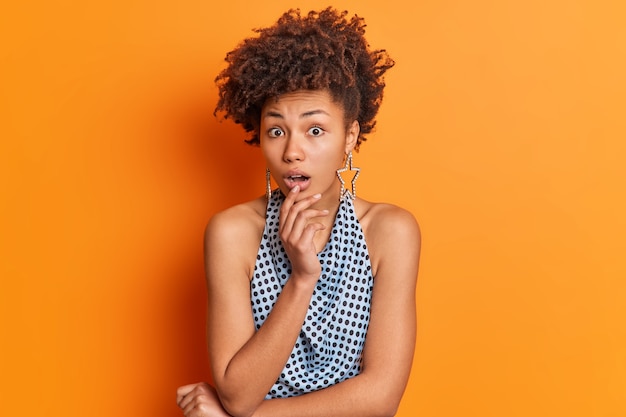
(193, 395)
(300, 223)
(286, 207)
(292, 194)
(190, 410)
(309, 233)
(290, 212)
(183, 391)
(204, 402)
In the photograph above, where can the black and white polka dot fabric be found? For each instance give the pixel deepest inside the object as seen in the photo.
(328, 349)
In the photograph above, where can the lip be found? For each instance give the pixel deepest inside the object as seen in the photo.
(290, 183)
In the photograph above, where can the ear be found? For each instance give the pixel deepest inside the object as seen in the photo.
(352, 135)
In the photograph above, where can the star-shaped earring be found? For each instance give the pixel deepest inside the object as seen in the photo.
(348, 167)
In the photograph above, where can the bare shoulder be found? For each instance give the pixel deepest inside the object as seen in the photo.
(233, 235)
(242, 218)
(392, 233)
(383, 220)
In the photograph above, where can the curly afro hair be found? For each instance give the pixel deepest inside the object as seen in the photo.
(320, 51)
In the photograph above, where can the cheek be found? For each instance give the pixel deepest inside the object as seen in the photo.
(331, 163)
(269, 154)
(339, 158)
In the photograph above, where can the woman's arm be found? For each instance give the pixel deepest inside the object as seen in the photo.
(394, 242)
(245, 362)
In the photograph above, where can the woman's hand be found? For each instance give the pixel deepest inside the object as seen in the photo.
(199, 400)
(297, 232)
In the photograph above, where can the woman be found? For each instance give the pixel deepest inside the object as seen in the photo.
(330, 277)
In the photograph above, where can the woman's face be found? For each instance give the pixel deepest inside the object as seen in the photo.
(304, 141)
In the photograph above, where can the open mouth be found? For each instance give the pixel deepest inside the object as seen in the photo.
(297, 178)
(301, 180)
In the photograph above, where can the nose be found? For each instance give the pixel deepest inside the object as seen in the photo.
(293, 150)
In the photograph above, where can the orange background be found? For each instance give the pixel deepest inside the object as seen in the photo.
(503, 130)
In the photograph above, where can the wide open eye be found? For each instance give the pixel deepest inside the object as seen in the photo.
(316, 131)
(275, 132)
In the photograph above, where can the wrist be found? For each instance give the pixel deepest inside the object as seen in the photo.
(303, 284)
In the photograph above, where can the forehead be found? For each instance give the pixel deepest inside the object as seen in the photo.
(302, 101)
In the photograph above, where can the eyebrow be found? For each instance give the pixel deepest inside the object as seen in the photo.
(303, 115)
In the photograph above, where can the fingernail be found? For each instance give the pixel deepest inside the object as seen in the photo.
(296, 188)
(317, 196)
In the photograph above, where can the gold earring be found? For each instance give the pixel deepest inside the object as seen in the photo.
(268, 186)
(348, 167)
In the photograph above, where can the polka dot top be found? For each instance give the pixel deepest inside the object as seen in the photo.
(328, 349)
